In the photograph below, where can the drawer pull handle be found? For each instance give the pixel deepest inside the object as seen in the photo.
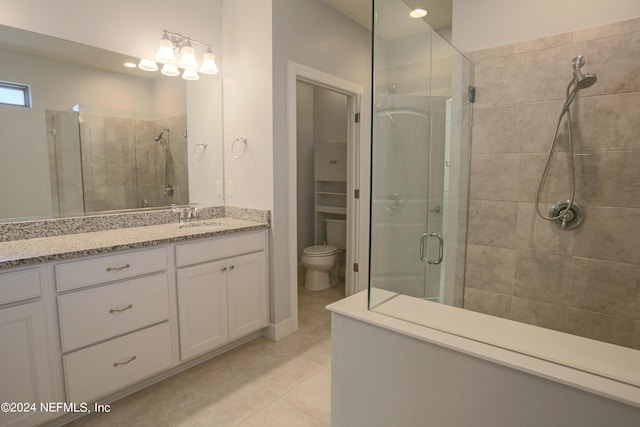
(120, 310)
(122, 267)
(129, 360)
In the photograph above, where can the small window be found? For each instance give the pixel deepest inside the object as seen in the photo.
(17, 94)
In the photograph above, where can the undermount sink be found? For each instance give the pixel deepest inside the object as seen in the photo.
(203, 225)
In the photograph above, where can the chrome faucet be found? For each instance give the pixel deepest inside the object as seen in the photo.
(185, 215)
(192, 213)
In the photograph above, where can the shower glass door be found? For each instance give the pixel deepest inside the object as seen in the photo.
(420, 155)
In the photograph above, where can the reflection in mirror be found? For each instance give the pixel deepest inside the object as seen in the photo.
(99, 136)
(110, 160)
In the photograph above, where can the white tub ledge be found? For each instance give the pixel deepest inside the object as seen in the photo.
(391, 372)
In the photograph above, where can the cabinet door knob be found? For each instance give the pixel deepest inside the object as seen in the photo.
(232, 267)
(223, 269)
(120, 310)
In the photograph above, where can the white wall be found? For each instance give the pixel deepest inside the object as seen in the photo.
(305, 189)
(247, 102)
(402, 381)
(312, 34)
(490, 23)
(330, 116)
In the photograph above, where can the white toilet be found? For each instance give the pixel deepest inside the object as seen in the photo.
(321, 259)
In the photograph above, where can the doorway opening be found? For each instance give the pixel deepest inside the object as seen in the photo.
(323, 121)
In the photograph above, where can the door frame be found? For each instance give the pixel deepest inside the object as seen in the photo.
(298, 72)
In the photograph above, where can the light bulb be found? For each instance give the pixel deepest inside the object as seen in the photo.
(418, 13)
(209, 63)
(147, 65)
(189, 74)
(165, 53)
(188, 58)
(170, 70)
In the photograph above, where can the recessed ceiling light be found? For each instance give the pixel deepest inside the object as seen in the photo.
(130, 65)
(418, 13)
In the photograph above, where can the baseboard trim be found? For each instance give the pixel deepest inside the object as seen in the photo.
(277, 331)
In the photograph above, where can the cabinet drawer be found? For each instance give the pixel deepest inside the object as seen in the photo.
(97, 314)
(78, 274)
(221, 247)
(104, 368)
(20, 285)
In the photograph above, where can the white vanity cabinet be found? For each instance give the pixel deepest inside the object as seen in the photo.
(114, 314)
(99, 326)
(27, 362)
(222, 290)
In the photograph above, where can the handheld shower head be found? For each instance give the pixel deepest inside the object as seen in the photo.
(159, 137)
(582, 81)
(161, 140)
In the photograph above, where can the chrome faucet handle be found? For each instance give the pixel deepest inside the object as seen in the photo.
(192, 213)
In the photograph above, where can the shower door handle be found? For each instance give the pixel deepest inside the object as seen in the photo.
(440, 248)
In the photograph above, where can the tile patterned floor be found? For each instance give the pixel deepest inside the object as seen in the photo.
(262, 383)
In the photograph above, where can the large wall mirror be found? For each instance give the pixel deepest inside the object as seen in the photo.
(98, 136)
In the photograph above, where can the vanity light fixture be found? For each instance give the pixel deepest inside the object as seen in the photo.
(165, 53)
(170, 70)
(189, 74)
(188, 57)
(418, 13)
(209, 63)
(147, 65)
(174, 43)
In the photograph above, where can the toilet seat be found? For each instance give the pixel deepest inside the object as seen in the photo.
(320, 251)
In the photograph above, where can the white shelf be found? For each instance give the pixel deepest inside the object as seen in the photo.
(329, 193)
(330, 175)
(331, 209)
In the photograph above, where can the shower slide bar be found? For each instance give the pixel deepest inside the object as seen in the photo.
(440, 248)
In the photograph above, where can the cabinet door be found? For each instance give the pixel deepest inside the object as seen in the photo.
(323, 162)
(202, 308)
(248, 294)
(26, 369)
(340, 162)
(330, 162)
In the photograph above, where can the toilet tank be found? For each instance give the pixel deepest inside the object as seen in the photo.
(336, 232)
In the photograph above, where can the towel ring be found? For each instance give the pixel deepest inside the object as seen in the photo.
(203, 147)
(238, 155)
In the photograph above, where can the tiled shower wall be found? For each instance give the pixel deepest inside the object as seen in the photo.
(584, 281)
(121, 163)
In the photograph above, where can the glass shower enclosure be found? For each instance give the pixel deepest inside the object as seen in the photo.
(420, 160)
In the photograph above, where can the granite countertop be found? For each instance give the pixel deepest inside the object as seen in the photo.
(46, 249)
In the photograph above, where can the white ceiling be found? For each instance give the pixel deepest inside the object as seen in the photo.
(358, 10)
(438, 17)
